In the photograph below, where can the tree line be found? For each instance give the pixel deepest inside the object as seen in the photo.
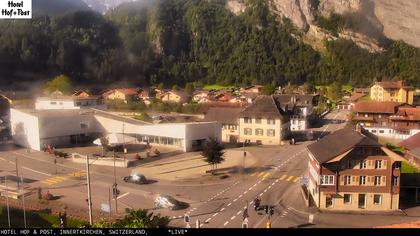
(187, 41)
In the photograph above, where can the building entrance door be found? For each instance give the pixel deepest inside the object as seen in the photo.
(362, 201)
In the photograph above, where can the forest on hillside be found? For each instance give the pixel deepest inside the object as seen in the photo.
(187, 41)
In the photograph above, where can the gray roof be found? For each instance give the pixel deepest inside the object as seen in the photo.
(295, 99)
(339, 142)
(415, 152)
(263, 106)
(224, 115)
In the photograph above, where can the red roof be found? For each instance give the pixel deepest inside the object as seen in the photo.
(411, 143)
(356, 96)
(407, 113)
(376, 107)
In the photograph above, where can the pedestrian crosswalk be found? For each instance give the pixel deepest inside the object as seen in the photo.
(264, 175)
(61, 178)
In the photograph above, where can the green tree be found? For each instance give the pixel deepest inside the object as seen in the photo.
(213, 153)
(140, 218)
(105, 144)
(175, 88)
(268, 89)
(189, 88)
(160, 86)
(61, 83)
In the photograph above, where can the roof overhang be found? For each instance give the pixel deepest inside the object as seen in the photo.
(339, 157)
(392, 155)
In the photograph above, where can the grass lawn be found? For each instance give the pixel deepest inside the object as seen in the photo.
(407, 168)
(218, 86)
(34, 219)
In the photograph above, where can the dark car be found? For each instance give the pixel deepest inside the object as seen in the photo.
(136, 179)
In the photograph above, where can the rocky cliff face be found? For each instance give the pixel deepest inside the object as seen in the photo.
(396, 19)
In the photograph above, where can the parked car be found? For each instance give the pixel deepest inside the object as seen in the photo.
(165, 201)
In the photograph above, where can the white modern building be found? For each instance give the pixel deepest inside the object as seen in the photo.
(36, 128)
(69, 102)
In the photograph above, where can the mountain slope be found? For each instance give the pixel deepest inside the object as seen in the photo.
(57, 7)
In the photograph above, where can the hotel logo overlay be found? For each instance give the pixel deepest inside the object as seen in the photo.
(15, 9)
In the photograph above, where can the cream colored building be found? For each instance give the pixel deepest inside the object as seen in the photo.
(392, 91)
(228, 117)
(174, 96)
(263, 122)
(123, 94)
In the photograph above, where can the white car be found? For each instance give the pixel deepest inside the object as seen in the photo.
(165, 201)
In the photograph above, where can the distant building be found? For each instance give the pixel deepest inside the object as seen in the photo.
(81, 93)
(123, 94)
(349, 103)
(229, 118)
(201, 97)
(349, 170)
(174, 97)
(388, 119)
(263, 122)
(412, 147)
(36, 128)
(253, 89)
(392, 91)
(69, 102)
(299, 107)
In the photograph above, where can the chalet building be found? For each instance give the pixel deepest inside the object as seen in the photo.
(300, 108)
(412, 149)
(229, 118)
(392, 91)
(349, 170)
(174, 97)
(124, 94)
(348, 104)
(81, 93)
(388, 119)
(264, 122)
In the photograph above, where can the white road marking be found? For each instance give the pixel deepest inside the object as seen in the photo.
(265, 190)
(215, 214)
(244, 207)
(222, 209)
(240, 196)
(250, 188)
(234, 200)
(245, 192)
(269, 187)
(273, 184)
(239, 212)
(39, 172)
(201, 225)
(233, 217)
(208, 220)
(261, 194)
(229, 204)
(227, 222)
(277, 180)
(125, 194)
(254, 185)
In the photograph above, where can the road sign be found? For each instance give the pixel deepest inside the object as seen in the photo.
(304, 180)
(311, 219)
(105, 208)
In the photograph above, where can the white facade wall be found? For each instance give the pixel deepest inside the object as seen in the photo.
(314, 177)
(391, 133)
(25, 129)
(55, 104)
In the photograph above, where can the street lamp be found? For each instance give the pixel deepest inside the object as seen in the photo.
(246, 141)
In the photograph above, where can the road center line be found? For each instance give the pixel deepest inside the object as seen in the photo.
(125, 194)
(239, 212)
(233, 217)
(227, 222)
(215, 214)
(39, 172)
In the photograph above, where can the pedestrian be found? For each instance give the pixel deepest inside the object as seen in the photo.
(257, 202)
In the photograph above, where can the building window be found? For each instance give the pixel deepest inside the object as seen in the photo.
(247, 120)
(327, 180)
(381, 131)
(53, 103)
(248, 131)
(377, 181)
(363, 164)
(373, 131)
(378, 164)
(258, 120)
(395, 180)
(328, 201)
(347, 198)
(271, 132)
(362, 180)
(270, 121)
(347, 180)
(349, 164)
(259, 132)
(377, 199)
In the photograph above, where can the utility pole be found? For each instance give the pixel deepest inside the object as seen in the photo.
(89, 194)
(7, 200)
(17, 173)
(115, 187)
(109, 202)
(23, 200)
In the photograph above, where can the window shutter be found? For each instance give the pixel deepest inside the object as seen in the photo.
(357, 179)
(383, 182)
(353, 178)
(384, 162)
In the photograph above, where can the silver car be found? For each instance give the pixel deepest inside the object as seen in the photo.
(136, 179)
(165, 201)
